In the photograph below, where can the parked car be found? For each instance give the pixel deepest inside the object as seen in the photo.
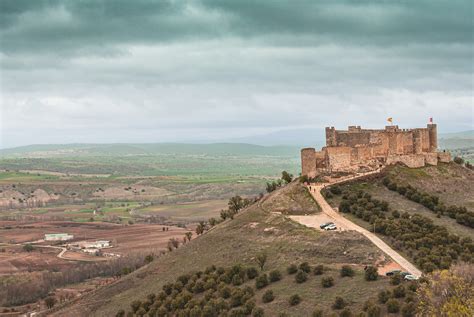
(403, 274)
(330, 227)
(390, 273)
(410, 277)
(324, 225)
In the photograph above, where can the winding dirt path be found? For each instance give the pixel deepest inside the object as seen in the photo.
(349, 225)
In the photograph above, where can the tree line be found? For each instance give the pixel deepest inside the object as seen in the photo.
(430, 246)
(432, 202)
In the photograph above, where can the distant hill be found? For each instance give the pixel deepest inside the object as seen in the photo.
(458, 135)
(64, 150)
(456, 140)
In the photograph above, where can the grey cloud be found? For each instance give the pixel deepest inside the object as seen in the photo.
(128, 70)
(95, 27)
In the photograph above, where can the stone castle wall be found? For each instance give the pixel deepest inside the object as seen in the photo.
(357, 147)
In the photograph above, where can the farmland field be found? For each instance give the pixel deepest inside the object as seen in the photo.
(137, 197)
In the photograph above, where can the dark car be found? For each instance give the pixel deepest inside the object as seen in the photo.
(324, 225)
(390, 273)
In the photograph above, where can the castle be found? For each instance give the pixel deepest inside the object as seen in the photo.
(367, 149)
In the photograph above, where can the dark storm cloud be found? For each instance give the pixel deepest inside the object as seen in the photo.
(94, 26)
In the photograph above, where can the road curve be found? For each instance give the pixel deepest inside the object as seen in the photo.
(328, 210)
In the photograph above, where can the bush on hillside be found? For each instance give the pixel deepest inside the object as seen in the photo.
(371, 273)
(305, 267)
(399, 291)
(374, 311)
(384, 296)
(327, 282)
(252, 273)
(258, 312)
(346, 270)
(318, 269)
(301, 277)
(295, 300)
(274, 276)
(261, 281)
(339, 303)
(268, 296)
(393, 306)
(458, 160)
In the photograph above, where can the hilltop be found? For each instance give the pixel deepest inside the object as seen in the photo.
(239, 241)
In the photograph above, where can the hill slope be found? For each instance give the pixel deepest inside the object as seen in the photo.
(239, 241)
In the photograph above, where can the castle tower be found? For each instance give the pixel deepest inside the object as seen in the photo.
(331, 139)
(417, 141)
(433, 135)
(308, 162)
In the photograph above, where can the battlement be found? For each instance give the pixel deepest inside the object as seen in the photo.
(356, 147)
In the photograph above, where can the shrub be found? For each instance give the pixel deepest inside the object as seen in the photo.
(305, 267)
(458, 160)
(371, 273)
(327, 282)
(274, 276)
(225, 292)
(252, 273)
(384, 296)
(374, 311)
(346, 270)
(295, 300)
(399, 291)
(28, 247)
(345, 206)
(301, 277)
(268, 296)
(318, 269)
(393, 306)
(258, 312)
(135, 305)
(336, 190)
(237, 280)
(261, 281)
(339, 303)
(292, 269)
(286, 177)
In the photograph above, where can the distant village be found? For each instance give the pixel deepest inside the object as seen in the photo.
(89, 247)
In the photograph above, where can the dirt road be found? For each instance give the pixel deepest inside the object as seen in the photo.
(349, 225)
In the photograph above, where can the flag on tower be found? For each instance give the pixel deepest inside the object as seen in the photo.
(390, 120)
(431, 119)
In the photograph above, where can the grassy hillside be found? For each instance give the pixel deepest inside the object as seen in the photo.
(239, 241)
(292, 199)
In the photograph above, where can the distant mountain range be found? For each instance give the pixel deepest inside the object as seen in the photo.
(456, 140)
(279, 143)
(64, 150)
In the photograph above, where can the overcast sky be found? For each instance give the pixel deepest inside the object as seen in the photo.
(155, 71)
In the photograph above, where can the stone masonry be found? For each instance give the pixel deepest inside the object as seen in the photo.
(358, 149)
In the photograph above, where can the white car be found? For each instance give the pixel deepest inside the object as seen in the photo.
(330, 227)
(410, 277)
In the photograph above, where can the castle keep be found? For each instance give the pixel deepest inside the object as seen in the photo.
(366, 149)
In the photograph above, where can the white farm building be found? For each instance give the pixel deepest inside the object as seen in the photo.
(58, 237)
